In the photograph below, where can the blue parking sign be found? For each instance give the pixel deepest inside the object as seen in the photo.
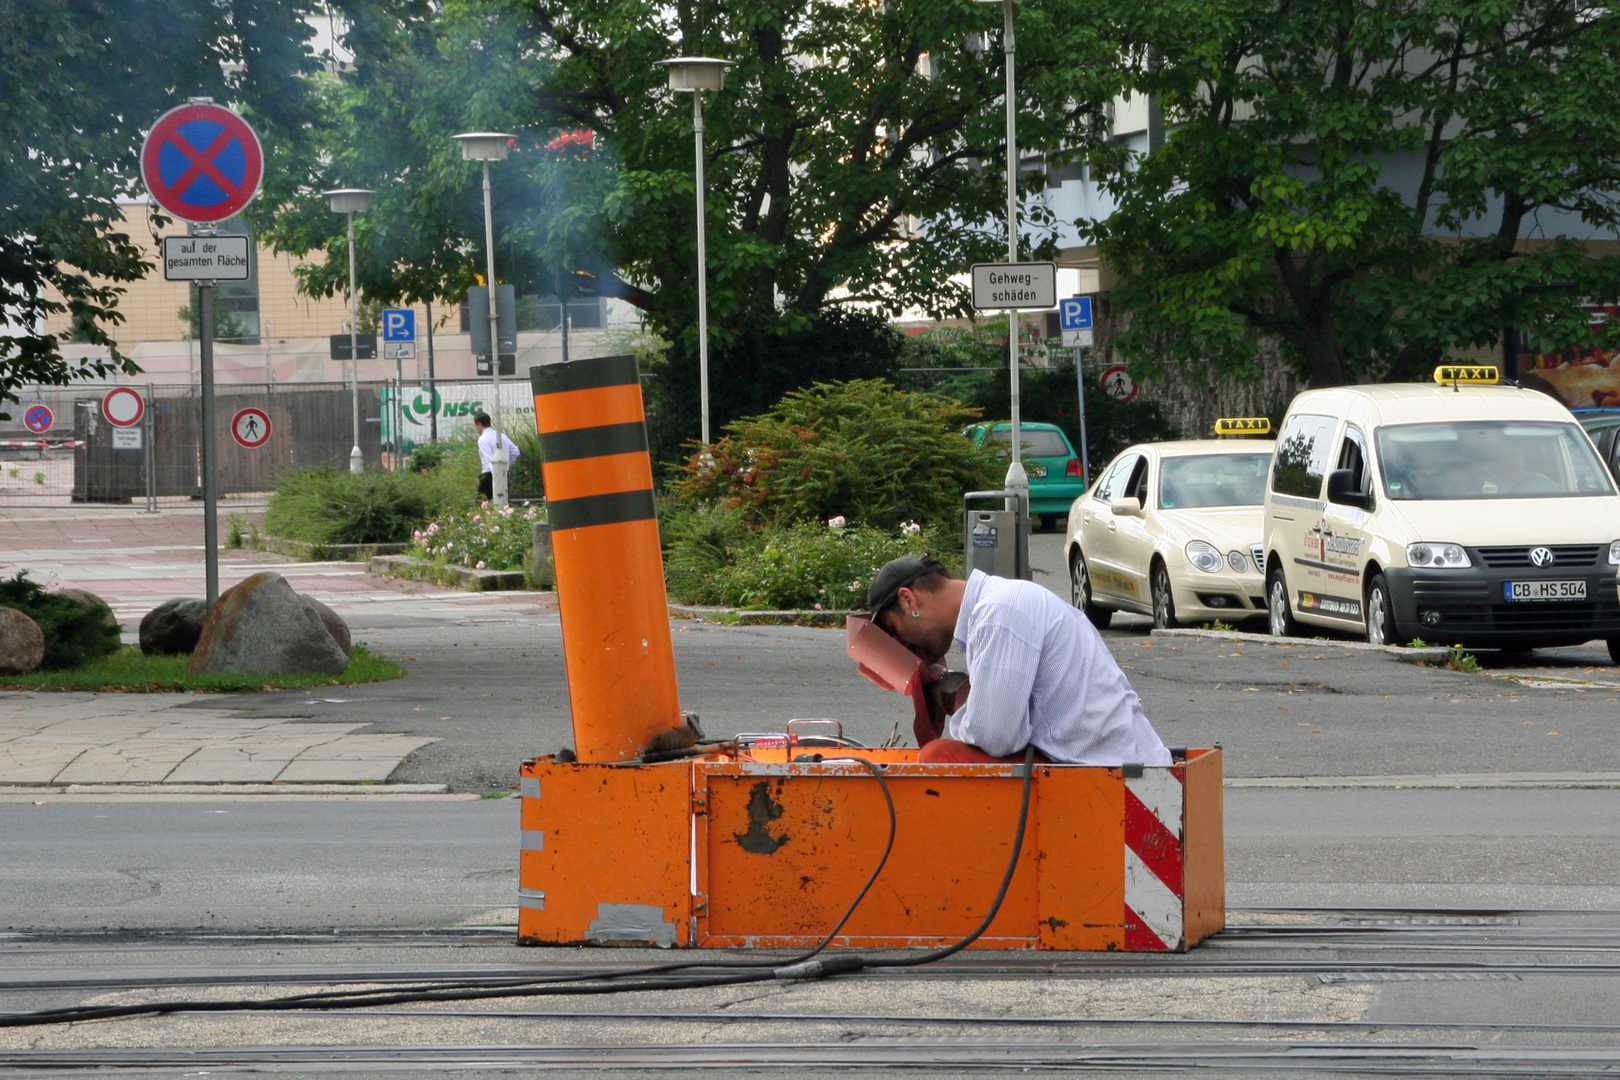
(399, 324)
(1075, 313)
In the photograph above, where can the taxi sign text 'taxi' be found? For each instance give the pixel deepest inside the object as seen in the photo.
(1466, 373)
(1015, 285)
(1243, 425)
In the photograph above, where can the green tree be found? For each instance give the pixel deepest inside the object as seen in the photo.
(846, 158)
(1367, 183)
(82, 81)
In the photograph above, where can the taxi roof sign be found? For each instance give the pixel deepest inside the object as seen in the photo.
(1467, 373)
(1243, 425)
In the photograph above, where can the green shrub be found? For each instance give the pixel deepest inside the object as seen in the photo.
(75, 632)
(861, 450)
(484, 538)
(700, 541)
(325, 506)
(814, 566)
(425, 457)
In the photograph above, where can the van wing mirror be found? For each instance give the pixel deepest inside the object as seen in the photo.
(1128, 507)
(1341, 490)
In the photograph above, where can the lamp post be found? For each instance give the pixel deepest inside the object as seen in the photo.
(485, 147)
(352, 201)
(695, 74)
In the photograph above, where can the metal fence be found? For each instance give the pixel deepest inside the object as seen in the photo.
(79, 456)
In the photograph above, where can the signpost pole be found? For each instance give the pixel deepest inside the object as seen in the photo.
(1017, 480)
(1080, 379)
(151, 452)
(205, 308)
(498, 468)
(433, 393)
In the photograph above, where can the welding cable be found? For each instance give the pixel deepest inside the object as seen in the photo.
(820, 969)
(590, 983)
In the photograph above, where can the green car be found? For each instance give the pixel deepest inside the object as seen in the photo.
(1055, 476)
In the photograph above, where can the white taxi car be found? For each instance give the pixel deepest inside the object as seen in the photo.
(1172, 530)
(1462, 512)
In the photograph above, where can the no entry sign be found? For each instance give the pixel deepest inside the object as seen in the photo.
(202, 163)
(38, 419)
(251, 428)
(123, 407)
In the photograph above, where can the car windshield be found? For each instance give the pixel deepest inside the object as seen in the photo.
(1037, 442)
(1489, 459)
(1213, 480)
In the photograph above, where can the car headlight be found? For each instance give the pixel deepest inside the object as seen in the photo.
(1438, 556)
(1614, 553)
(1204, 556)
(1238, 561)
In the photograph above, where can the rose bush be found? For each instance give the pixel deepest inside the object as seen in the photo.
(485, 538)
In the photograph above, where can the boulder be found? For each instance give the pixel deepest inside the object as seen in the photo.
(85, 596)
(262, 627)
(173, 626)
(333, 622)
(22, 643)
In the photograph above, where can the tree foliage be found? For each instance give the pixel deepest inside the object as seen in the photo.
(82, 81)
(1369, 183)
(846, 157)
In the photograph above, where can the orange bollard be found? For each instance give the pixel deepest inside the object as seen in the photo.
(604, 543)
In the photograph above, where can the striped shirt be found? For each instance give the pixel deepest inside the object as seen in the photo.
(1041, 674)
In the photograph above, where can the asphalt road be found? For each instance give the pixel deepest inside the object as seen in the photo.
(491, 686)
(81, 864)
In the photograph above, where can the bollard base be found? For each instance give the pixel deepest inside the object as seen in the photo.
(720, 852)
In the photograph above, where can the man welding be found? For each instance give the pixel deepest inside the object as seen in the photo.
(1039, 671)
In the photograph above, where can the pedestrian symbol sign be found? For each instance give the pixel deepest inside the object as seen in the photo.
(251, 428)
(202, 163)
(38, 419)
(1118, 384)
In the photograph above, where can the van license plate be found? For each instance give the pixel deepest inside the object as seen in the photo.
(1038, 471)
(1544, 590)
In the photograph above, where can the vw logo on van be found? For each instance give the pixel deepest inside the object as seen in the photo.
(1540, 556)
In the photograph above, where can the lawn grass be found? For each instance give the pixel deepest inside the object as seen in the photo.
(131, 671)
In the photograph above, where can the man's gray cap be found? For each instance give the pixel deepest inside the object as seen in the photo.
(895, 575)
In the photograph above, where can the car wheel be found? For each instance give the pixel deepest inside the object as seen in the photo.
(1614, 649)
(1380, 614)
(1280, 615)
(1080, 593)
(1164, 603)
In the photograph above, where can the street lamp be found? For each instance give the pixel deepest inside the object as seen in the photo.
(485, 147)
(352, 201)
(695, 74)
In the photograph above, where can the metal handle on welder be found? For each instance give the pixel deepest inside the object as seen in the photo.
(795, 734)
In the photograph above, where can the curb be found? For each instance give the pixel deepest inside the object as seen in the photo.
(746, 617)
(225, 789)
(1429, 654)
(305, 551)
(415, 568)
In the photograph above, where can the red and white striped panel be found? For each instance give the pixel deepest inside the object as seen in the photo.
(1153, 859)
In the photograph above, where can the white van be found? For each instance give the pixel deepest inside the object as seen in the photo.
(1464, 512)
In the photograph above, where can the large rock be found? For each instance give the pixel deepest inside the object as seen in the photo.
(261, 626)
(174, 626)
(333, 622)
(85, 596)
(22, 643)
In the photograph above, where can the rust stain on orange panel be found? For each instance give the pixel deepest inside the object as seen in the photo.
(604, 475)
(1204, 890)
(1081, 815)
(786, 854)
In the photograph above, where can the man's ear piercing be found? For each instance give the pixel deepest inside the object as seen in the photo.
(916, 614)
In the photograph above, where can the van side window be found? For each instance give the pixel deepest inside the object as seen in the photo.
(1353, 456)
(1302, 455)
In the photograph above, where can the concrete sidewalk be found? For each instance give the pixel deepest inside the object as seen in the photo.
(134, 561)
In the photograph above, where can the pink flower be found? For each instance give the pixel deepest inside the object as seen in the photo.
(836, 523)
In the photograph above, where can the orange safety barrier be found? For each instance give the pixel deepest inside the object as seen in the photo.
(605, 549)
(730, 850)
